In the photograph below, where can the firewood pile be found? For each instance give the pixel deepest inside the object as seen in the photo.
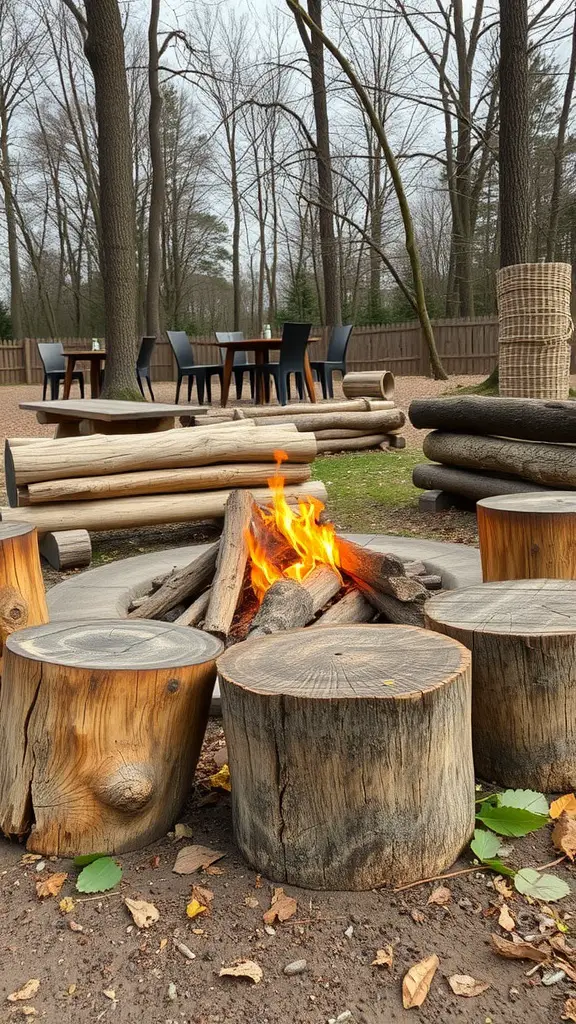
(253, 581)
(354, 425)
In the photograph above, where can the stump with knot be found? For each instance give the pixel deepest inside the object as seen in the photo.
(350, 754)
(101, 726)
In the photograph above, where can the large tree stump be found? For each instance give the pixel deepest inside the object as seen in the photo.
(523, 635)
(100, 729)
(22, 594)
(528, 536)
(350, 754)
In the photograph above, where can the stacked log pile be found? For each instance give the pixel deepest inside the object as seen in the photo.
(106, 482)
(215, 593)
(481, 447)
(356, 425)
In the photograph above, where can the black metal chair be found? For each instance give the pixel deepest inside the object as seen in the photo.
(335, 359)
(241, 364)
(187, 367)
(292, 353)
(54, 364)
(143, 363)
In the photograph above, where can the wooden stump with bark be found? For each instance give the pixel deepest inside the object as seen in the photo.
(22, 593)
(369, 384)
(350, 754)
(101, 725)
(528, 536)
(523, 635)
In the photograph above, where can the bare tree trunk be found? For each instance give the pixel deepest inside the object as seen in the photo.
(12, 236)
(157, 188)
(560, 152)
(514, 167)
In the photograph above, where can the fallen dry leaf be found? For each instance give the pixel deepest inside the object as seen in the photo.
(441, 895)
(203, 897)
(505, 919)
(66, 905)
(214, 869)
(566, 803)
(182, 831)
(109, 993)
(564, 835)
(192, 858)
(51, 885)
(416, 982)
(282, 907)
(558, 942)
(464, 985)
(194, 908)
(417, 916)
(26, 992)
(384, 957)
(251, 902)
(502, 887)
(569, 1010)
(258, 883)
(30, 858)
(222, 779)
(567, 967)
(143, 914)
(29, 1011)
(243, 969)
(518, 950)
(163, 944)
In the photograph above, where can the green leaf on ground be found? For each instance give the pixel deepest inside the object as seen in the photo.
(540, 887)
(510, 821)
(99, 876)
(485, 844)
(499, 867)
(526, 799)
(87, 858)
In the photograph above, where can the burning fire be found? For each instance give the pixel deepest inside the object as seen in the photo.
(313, 543)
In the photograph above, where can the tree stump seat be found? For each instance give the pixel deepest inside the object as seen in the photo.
(101, 725)
(523, 637)
(528, 536)
(22, 593)
(350, 753)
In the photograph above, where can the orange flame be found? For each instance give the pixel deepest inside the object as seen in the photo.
(313, 543)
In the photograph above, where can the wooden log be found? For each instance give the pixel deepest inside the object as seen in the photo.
(431, 582)
(307, 408)
(181, 585)
(71, 549)
(351, 608)
(147, 510)
(194, 614)
(337, 434)
(169, 449)
(125, 706)
(415, 568)
(551, 464)
(22, 593)
(369, 384)
(380, 570)
(528, 536)
(335, 781)
(395, 441)
(471, 484)
(381, 422)
(288, 604)
(409, 613)
(163, 481)
(230, 565)
(529, 418)
(351, 444)
(523, 634)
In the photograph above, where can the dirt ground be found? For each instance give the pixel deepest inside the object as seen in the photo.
(93, 964)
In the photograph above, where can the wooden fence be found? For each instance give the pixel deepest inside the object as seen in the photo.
(465, 346)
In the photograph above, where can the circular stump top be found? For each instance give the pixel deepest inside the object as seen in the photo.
(508, 608)
(532, 503)
(9, 530)
(345, 662)
(112, 644)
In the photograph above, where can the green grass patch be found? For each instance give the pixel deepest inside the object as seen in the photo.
(364, 479)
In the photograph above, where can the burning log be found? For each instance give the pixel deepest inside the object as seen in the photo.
(351, 608)
(383, 572)
(231, 564)
(289, 604)
(180, 586)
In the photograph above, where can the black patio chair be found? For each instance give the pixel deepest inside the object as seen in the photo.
(54, 364)
(241, 364)
(187, 367)
(291, 361)
(335, 359)
(143, 363)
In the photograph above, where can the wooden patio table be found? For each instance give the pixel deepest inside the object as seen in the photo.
(103, 416)
(95, 357)
(260, 347)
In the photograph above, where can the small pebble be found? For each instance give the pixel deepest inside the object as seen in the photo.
(41, 865)
(514, 994)
(296, 967)
(553, 977)
(269, 929)
(347, 1015)
(349, 932)
(172, 992)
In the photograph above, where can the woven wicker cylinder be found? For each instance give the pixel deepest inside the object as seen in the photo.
(534, 303)
(534, 370)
